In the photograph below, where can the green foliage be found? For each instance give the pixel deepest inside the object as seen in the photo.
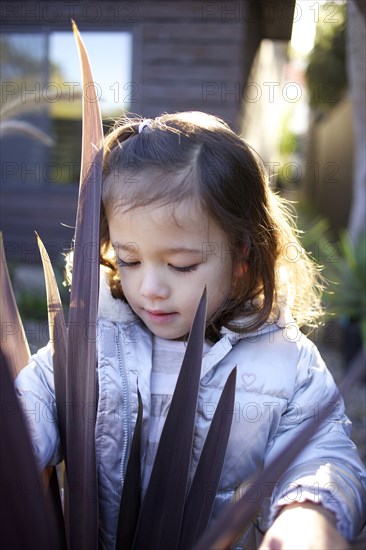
(288, 141)
(316, 241)
(326, 73)
(349, 281)
(343, 267)
(32, 299)
(32, 305)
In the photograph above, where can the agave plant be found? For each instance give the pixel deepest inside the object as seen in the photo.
(172, 514)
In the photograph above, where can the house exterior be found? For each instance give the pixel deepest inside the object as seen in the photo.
(186, 55)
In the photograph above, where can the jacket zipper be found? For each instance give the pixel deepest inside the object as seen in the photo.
(126, 404)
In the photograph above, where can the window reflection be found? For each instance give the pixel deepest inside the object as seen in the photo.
(41, 89)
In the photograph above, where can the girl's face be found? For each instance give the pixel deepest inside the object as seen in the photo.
(166, 257)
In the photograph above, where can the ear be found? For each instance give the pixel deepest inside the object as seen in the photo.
(240, 269)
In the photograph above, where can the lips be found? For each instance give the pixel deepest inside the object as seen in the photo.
(159, 316)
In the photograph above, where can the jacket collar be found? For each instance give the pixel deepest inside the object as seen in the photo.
(112, 309)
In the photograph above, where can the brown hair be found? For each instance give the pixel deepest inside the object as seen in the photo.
(197, 155)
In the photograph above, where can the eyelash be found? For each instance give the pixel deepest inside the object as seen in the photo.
(121, 263)
(185, 269)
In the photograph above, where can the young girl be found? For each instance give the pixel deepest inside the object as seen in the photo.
(186, 205)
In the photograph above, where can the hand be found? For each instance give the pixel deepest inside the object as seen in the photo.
(304, 526)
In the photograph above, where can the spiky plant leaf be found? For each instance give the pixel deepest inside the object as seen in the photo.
(348, 275)
(58, 338)
(314, 232)
(81, 351)
(161, 514)
(14, 342)
(348, 251)
(54, 504)
(131, 495)
(26, 518)
(203, 490)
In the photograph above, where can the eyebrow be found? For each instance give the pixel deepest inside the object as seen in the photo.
(182, 249)
(133, 247)
(129, 247)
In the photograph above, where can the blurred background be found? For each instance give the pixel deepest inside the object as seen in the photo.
(289, 76)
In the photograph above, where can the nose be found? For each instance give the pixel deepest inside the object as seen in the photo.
(153, 286)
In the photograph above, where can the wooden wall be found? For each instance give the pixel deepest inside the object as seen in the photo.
(190, 65)
(187, 55)
(47, 210)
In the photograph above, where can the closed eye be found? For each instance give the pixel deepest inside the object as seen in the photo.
(122, 263)
(180, 269)
(184, 269)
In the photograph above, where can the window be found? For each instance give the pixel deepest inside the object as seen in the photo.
(41, 94)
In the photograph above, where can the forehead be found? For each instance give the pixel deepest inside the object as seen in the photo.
(185, 215)
(183, 221)
(123, 189)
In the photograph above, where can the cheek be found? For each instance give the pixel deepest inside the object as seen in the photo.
(224, 277)
(219, 289)
(126, 284)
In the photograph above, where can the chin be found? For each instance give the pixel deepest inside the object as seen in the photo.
(169, 334)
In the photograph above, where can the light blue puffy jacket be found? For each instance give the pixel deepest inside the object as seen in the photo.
(281, 381)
